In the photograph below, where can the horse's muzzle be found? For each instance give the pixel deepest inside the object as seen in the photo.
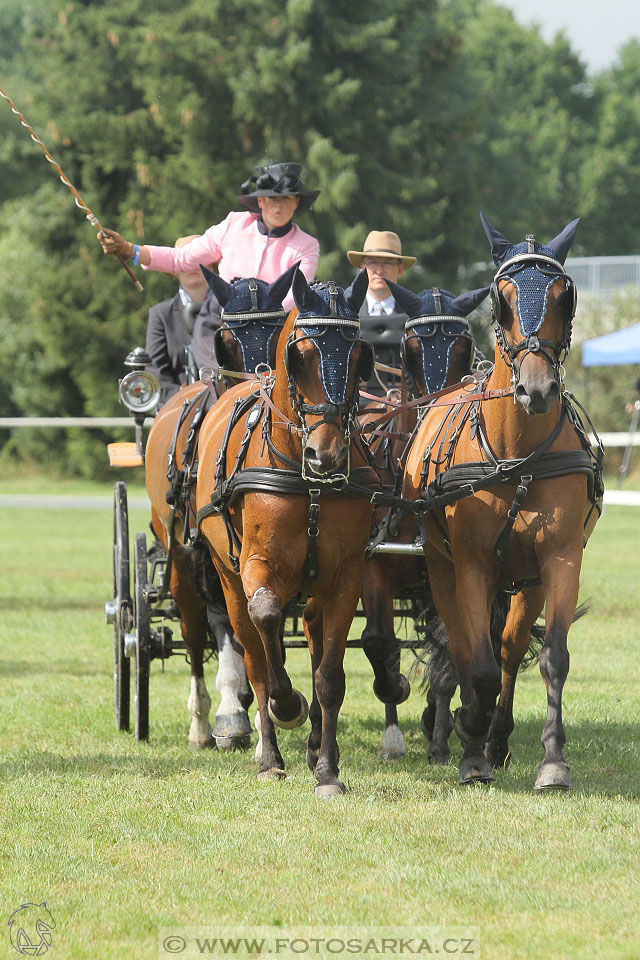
(324, 462)
(538, 399)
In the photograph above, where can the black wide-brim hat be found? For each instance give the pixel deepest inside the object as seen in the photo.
(276, 180)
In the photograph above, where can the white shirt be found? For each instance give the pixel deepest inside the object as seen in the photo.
(380, 307)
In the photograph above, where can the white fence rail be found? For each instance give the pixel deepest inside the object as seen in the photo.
(609, 439)
(96, 423)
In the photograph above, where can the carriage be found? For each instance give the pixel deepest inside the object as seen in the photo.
(312, 394)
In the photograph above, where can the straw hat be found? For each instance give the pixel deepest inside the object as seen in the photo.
(380, 243)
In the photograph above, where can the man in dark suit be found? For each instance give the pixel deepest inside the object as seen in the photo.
(170, 328)
(381, 321)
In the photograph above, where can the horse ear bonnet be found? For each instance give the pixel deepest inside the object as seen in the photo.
(242, 299)
(466, 302)
(280, 287)
(562, 243)
(357, 291)
(502, 250)
(409, 301)
(222, 291)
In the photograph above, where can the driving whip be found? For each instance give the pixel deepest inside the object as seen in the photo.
(93, 220)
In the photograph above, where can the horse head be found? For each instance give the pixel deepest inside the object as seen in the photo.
(324, 360)
(533, 303)
(252, 318)
(437, 348)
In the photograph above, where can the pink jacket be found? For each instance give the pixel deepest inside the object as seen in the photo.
(240, 250)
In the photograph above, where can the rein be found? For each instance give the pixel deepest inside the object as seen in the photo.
(438, 399)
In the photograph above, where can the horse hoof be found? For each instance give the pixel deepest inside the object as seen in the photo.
(327, 790)
(402, 691)
(553, 775)
(233, 726)
(209, 744)
(392, 744)
(274, 773)
(291, 722)
(475, 770)
(439, 758)
(234, 743)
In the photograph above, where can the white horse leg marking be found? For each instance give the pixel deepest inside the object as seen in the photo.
(232, 727)
(199, 706)
(392, 743)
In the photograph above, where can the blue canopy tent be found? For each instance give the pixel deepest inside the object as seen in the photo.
(613, 349)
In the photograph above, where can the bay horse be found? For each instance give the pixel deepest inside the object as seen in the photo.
(512, 491)
(437, 349)
(252, 318)
(283, 501)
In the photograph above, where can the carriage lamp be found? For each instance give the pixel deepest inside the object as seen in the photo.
(139, 390)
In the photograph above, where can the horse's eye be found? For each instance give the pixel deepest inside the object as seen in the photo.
(296, 360)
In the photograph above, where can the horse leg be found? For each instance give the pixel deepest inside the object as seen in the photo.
(232, 729)
(287, 706)
(437, 720)
(312, 620)
(378, 638)
(561, 599)
(245, 693)
(268, 756)
(516, 635)
(329, 683)
(472, 656)
(185, 589)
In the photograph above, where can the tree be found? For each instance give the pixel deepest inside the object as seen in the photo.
(610, 175)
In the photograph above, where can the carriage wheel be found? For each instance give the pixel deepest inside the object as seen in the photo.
(142, 640)
(121, 605)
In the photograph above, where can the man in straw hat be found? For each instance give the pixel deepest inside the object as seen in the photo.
(381, 319)
(262, 241)
(383, 259)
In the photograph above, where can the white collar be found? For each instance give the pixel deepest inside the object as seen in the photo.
(388, 304)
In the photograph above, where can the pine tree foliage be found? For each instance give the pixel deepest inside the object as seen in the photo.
(410, 115)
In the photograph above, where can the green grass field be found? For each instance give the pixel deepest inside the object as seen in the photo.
(120, 839)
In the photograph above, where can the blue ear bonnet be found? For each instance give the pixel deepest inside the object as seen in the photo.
(334, 344)
(532, 283)
(254, 316)
(242, 300)
(340, 306)
(437, 331)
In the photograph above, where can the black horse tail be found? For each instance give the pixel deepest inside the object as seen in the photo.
(499, 610)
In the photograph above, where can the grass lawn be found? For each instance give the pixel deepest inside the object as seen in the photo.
(120, 839)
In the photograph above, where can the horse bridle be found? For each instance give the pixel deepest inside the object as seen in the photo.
(531, 343)
(437, 320)
(329, 412)
(238, 324)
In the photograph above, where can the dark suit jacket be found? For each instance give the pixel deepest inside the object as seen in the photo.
(207, 322)
(167, 337)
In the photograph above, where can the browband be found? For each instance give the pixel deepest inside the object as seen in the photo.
(301, 322)
(435, 318)
(528, 256)
(253, 316)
